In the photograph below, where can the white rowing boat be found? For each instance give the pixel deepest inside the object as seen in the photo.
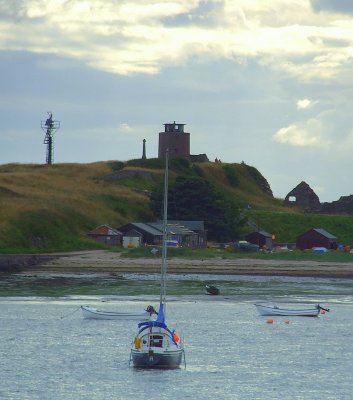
(266, 310)
(92, 313)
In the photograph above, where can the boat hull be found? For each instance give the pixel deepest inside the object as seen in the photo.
(92, 313)
(212, 290)
(273, 310)
(153, 359)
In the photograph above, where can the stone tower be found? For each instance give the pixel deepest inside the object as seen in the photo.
(175, 140)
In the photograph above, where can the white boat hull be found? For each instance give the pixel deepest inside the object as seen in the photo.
(92, 313)
(274, 310)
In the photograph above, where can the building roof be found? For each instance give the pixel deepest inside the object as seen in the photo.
(148, 228)
(320, 231)
(261, 232)
(105, 230)
(156, 228)
(173, 228)
(192, 225)
(324, 233)
(133, 233)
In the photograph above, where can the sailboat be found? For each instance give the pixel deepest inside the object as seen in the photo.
(156, 345)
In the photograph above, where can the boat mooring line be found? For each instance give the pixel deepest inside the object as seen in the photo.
(68, 315)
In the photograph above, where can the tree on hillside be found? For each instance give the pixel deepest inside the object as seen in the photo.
(194, 198)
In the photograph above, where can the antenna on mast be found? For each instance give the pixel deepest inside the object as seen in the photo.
(50, 126)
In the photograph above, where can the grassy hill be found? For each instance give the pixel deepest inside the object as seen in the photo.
(51, 208)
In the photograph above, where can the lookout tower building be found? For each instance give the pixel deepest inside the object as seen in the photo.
(175, 140)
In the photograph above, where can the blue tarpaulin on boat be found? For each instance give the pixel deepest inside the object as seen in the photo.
(147, 324)
(319, 249)
(160, 317)
(158, 322)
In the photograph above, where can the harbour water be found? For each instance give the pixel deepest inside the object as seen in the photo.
(48, 351)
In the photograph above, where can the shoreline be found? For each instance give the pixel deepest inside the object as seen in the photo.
(102, 261)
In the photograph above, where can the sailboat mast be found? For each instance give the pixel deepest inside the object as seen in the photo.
(164, 247)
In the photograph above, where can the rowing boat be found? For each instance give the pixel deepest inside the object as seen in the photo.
(266, 310)
(92, 313)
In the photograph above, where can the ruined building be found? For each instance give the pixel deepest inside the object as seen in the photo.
(303, 196)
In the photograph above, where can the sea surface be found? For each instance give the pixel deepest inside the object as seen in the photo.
(48, 351)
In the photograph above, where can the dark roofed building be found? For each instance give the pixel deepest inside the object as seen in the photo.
(152, 233)
(178, 231)
(196, 226)
(261, 238)
(316, 237)
(149, 234)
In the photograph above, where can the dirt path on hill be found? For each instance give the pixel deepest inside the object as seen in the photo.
(101, 261)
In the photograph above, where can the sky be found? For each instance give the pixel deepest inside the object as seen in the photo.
(268, 83)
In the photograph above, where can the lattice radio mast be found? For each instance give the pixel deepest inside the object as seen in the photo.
(50, 127)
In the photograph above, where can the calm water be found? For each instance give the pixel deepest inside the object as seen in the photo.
(48, 351)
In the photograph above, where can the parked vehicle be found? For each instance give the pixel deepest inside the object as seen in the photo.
(243, 245)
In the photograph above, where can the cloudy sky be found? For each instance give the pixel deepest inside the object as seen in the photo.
(264, 82)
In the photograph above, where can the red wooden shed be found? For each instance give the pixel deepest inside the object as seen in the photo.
(316, 237)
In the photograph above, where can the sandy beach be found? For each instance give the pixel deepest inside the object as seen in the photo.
(101, 261)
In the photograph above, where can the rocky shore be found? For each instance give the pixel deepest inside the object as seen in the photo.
(100, 261)
(16, 263)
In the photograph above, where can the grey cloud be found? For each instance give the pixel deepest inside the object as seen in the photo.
(341, 6)
(12, 10)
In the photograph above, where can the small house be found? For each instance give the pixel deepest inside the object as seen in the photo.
(178, 232)
(106, 235)
(197, 227)
(261, 238)
(152, 233)
(316, 237)
(147, 234)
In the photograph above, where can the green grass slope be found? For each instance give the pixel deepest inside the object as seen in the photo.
(51, 208)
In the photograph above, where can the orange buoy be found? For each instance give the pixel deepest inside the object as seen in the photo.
(176, 338)
(322, 312)
(286, 321)
(269, 321)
